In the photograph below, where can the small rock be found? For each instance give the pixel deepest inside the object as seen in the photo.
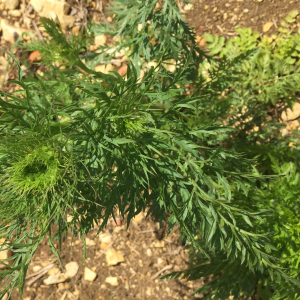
(215, 9)
(112, 281)
(105, 238)
(11, 4)
(54, 279)
(50, 8)
(76, 293)
(75, 30)
(34, 56)
(71, 269)
(10, 33)
(267, 26)
(148, 291)
(5, 254)
(114, 257)
(295, 125)
(149, 252)
(100, 40)
(138, 218)
(118, 221)
(141, 263)
(89, 275)
(291, 114)
(53, 271)
(168, 290)
(90, 242)
(67, 21)
(103, 246)
(256, 128)
(63, 286)
(202, 43)
(15, 13)
(284, 132)
(104, 69)
(35, 269)
(140, 27)
(206, 7)
(123, 70)
(188, 7)
(159, 244)
(246, 10)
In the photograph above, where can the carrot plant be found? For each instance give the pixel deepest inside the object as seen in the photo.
(83, 143)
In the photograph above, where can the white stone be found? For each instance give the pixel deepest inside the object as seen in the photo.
(15, 13)
(5, 254)
(54, 279)
(36, 269)
(9, 31)
(11, 4)
(114, 257)
(112, 281)
(46, 8)
(90, 242)
(291, 114)
(100, 40)
(105, 238)
(71, 269)
(89, 275)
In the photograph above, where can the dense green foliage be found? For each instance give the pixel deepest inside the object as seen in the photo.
(82, 143)
(253, 105)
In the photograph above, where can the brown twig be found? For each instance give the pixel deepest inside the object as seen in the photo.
(169, 267)
(37, 30)
(134, 250)
(38, 275)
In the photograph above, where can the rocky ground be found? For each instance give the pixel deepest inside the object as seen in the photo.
(121, 263)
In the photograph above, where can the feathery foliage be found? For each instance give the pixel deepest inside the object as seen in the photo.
(79, 142)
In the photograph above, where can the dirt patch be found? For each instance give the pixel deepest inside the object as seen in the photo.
(224, 16)
(138, 276)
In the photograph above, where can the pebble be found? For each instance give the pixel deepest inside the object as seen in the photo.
(9, 32)
(53, 271)
(90, 242)
(291, 114)
(114, 257)
(89, 275)
(35, 269)
(54, 279)
(188, 7)
(159, 244)
(104, 69)
(5, 254)
(11, 4)
(123, 71)
(112, 281)
(75, 30)
(267, 26)
(34, 56)
(149, 252)
(105, 238)
(100, 40)
(71, 269)
(15, 13)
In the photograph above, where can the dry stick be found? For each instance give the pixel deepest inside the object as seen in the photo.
(42, 273)
(169, 267)
(137, 252)
(38, 31)
(146, 231)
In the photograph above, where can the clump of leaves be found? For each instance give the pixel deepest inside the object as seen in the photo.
(252, 104)
(83, 143)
